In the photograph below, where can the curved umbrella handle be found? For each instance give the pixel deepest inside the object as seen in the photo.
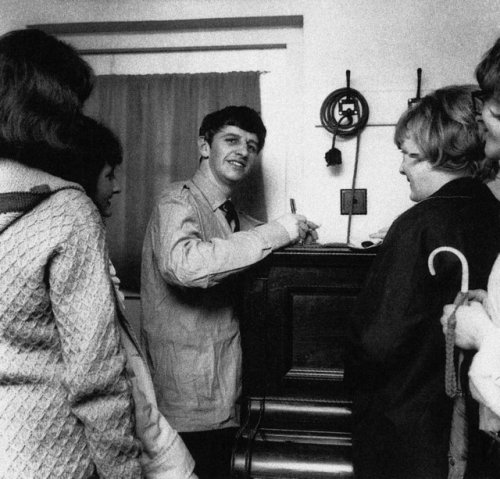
(465, 266)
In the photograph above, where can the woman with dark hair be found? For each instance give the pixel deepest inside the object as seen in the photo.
(66, 408)
(164, 454)
(31, 60)
(95, 153)
(396, 355)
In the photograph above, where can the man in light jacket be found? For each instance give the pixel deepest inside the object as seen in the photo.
(194, 248)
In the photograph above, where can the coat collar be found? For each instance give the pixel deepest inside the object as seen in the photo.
(208, 188)
(22, 188)
(466, 187)
(16, 177)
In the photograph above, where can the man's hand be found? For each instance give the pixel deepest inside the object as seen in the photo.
(299, 228)
(472, 327)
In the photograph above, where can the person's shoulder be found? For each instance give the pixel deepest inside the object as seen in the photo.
(409, 216)
(67, 215)
(70, 193)
(73, 205)
(175, 200)
(419, 218)
(174, 191)
(73, 198)
(449, 213)
(434, 208)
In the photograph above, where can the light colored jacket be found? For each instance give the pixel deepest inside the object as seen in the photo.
(65, 401)
(190, 265)
(164, 455)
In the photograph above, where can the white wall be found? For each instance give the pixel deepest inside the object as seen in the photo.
(382, 42)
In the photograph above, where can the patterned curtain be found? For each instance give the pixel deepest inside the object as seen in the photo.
(157, 118)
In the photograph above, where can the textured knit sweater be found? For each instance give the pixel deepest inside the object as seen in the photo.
(65, 402)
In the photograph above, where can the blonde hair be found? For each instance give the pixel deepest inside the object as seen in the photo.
(444, 127)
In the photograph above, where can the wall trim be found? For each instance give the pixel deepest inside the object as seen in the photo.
(296, 21)
(208, 48)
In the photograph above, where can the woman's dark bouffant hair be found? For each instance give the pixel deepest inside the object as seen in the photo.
(89, 146)
(43, 84)
(94, 146)
(444, 127)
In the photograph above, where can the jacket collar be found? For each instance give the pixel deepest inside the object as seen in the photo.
(208, 188)
(16, 177)
(22, 188)
(466, 187)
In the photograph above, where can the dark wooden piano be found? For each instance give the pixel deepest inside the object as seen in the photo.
(295, 414)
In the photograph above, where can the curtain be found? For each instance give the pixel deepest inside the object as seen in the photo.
(157, 118)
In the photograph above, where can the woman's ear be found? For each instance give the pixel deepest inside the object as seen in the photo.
(203, 147)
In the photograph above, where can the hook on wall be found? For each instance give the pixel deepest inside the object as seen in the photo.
(344, 112)
(413, 101)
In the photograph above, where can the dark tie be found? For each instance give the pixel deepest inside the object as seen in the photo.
(231, 215)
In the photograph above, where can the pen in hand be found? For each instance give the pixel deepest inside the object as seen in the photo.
(293, 209)
(310, 235)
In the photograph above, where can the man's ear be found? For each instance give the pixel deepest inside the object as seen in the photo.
(203, 147)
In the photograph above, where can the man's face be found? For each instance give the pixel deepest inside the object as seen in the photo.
(491, 119)
(231, 155)
(418, 171)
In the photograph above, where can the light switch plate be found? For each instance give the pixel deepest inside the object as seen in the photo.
(359, 207)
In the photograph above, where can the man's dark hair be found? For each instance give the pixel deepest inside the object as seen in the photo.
(488, 72)
(243, 117)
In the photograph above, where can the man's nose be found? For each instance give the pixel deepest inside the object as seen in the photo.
(243, 149)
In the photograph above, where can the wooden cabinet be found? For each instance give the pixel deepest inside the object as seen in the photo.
(296, 415)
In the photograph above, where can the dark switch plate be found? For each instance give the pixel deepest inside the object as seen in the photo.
(359, 206)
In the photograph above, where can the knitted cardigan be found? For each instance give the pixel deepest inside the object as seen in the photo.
(65, 402)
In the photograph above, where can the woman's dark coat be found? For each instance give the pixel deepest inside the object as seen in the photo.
(396, 348)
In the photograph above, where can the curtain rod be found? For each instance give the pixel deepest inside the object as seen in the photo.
(170, 25)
